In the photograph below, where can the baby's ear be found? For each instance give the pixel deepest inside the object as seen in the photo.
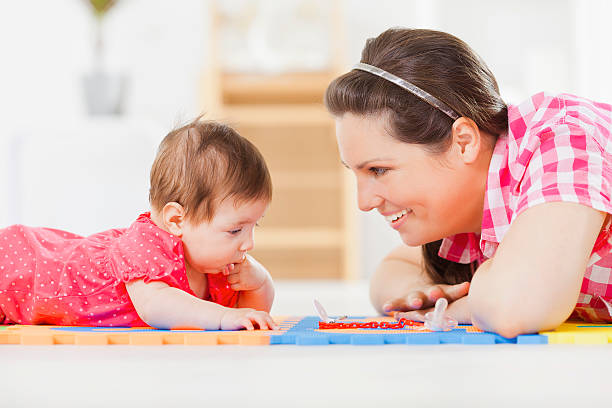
(173, 215)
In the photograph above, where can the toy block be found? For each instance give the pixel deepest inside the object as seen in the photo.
(367, 339)
(283, 339)
(395, 338)
(86, 339)
(478, 338)
(171, 337)
(118, 338)
(559, 337)
(196, 339)
(311, 340)
(228, 337)
(423, 338)
(532, 339)
(37, 339)
(451, 337)
(340, 338)
(145, 339)
(253, 339)
(64, 339)
(9, 338)
(590, 338)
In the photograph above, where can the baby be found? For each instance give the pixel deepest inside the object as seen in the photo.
(183, 265)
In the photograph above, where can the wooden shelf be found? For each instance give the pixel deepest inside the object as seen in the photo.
(276, 115)
(298, 238)
(325, 180)
(308, 231)
(289, 88)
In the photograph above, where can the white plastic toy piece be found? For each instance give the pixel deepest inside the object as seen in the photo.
(323, 314)
(436, 320)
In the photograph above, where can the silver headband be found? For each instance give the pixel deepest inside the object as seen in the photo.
(415, 90)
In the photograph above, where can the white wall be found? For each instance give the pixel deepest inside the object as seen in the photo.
(61, 168)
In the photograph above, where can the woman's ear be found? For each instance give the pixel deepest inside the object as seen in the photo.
(466, 139)
(173, 217)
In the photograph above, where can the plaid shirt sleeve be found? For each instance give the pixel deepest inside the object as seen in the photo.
(567, 161)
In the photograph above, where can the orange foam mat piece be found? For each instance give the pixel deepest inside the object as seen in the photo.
(136, 336)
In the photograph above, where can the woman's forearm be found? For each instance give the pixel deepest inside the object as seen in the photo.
(496, 306)
(398, 274)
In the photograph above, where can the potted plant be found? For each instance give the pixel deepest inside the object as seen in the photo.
(103, 90)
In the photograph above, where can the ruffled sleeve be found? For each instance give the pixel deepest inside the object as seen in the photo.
(147, 252)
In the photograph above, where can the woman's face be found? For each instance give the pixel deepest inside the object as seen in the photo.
(424, 196)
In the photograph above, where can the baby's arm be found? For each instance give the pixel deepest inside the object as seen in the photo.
(533, 281)
(400, 283)
(165, 307)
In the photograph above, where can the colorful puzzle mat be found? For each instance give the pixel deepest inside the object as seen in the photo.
(297, 330)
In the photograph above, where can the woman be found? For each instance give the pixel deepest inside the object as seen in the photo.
(514, 200)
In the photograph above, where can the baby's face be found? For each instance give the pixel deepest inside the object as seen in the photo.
(210, 246)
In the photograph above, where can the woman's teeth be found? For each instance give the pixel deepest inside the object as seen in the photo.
(396, 216)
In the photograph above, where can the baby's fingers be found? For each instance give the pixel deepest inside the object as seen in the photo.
(260, 320)
(271, 323)
(247, 324)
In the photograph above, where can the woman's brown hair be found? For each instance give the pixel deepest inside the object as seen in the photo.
(204, 162)
(445, 67)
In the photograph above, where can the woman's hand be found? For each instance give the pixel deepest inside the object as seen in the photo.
(458, 310)
(246, 318)
(425, 297)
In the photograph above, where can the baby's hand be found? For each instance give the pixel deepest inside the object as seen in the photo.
(425, 297)
(236, 319)
(246, 275)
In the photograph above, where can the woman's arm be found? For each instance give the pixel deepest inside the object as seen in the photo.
(533, 281)
(398, 273)
(401, 284)
(165, 307)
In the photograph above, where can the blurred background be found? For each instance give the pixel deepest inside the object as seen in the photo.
(89, 89)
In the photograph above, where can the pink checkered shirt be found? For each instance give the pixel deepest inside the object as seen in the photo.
(557, 148)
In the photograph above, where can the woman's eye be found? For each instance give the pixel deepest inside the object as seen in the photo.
(378, 171)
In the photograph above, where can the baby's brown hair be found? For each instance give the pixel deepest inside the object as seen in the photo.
(201, 164)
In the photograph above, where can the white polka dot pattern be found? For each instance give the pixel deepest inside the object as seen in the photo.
(49, 276)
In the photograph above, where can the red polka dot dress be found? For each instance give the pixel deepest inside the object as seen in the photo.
(55, 277)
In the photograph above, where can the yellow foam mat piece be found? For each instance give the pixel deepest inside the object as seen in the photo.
(580, 333)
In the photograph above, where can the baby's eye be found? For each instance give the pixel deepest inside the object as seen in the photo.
(378, 171)
(236, 231)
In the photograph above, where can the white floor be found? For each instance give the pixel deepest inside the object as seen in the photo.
(399, 375)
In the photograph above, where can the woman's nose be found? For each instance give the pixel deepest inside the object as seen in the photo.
(367, 198)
